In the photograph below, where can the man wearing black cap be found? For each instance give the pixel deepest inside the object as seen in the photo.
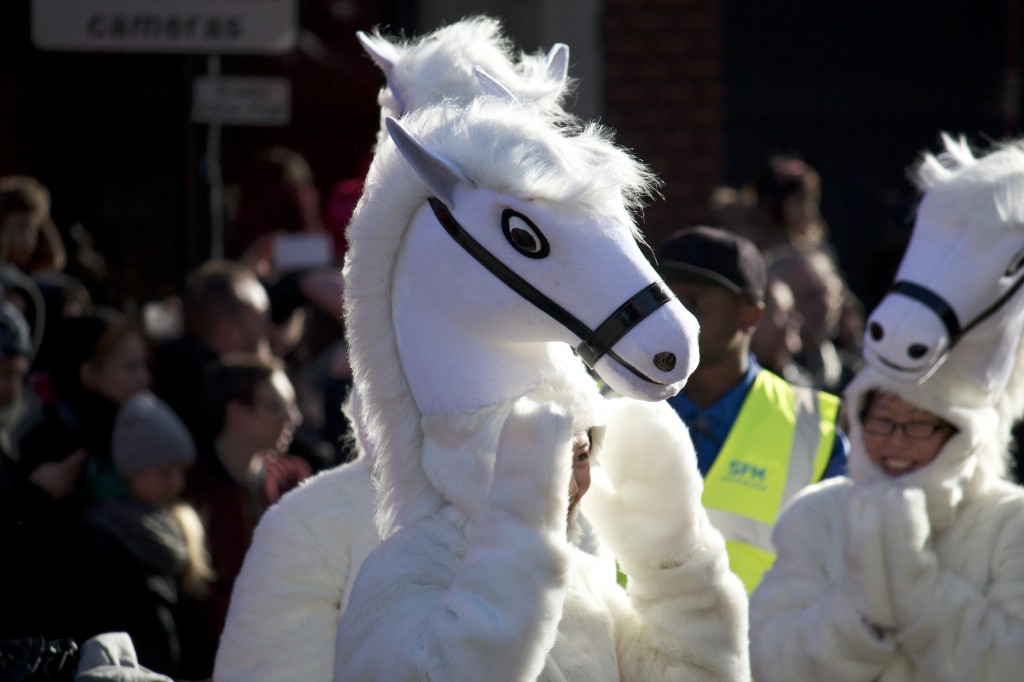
(759, 439)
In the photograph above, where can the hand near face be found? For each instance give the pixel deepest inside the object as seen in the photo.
(911, 563)
(58, 479)
(645, 497)
(864, 551)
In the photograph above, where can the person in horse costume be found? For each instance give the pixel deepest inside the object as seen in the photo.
(285, 596)
(492, 239)
(306, 550)
(912, 567)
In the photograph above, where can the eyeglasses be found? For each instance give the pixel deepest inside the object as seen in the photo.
(277, 407)
(915, 430)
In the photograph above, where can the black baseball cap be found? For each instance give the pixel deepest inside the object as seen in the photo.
(716, 256)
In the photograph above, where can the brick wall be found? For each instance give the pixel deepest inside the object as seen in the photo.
(664, 97)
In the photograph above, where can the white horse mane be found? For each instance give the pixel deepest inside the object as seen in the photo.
(444, 62)
(520, 152)
(958, 172)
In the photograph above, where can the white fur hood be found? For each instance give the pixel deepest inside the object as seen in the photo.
(970, 461)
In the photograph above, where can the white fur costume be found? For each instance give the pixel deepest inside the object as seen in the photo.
(490, 589)
(307, 549)
(476, 578)
(296, 579)
(933, 558)
(937, 555)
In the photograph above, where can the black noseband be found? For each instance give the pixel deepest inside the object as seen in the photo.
(935, 303)
(945, 312)
(595, 343)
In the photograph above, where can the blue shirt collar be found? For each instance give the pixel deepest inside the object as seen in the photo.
(710, 427)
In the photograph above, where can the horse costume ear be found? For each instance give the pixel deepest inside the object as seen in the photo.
(492, 87)
(381, 52)
(958, 151)
(384, 55)
(440, 176)
(558, 62)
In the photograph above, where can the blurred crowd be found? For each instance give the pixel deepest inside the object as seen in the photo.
(139, 447)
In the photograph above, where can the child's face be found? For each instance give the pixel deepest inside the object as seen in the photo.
(123, 374)
(19, 235)
(159, 486)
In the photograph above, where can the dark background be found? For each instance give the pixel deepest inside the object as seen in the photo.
(857, 91)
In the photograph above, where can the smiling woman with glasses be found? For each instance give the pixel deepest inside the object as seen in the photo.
(908, 568)
(917, 429)
(899, 437)
(911, 567)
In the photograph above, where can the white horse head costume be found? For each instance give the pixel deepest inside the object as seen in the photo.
(948, 336)
(492, 239)
(958, 286)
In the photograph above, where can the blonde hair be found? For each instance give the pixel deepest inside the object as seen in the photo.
(197, 575)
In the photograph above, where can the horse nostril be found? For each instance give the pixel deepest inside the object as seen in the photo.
(666, 362)
(877, 333)
(917, 350)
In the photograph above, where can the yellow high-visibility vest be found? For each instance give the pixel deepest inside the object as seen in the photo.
(781, 441)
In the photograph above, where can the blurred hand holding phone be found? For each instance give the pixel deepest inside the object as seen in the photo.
(302, 251)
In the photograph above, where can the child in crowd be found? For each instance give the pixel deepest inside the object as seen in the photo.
(144, 557)
(100, 361)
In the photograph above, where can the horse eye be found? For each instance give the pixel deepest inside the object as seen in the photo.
(523, 235)
(1015, 265)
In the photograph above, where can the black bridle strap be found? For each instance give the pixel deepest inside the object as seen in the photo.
(618, 324)
(934, 302)
(595, 343)
(946, 313)
(505, 273)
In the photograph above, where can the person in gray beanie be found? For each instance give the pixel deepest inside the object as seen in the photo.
(146, 556)
(149, 436)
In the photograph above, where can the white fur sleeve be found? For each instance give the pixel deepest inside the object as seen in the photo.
(952, 627)
(432, 603)
(286, 602)
(686, 614)
(805, 620)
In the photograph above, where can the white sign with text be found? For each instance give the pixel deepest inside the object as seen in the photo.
(242, 100)
(171, 26)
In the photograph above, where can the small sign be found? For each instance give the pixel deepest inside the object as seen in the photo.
(242, 100)
(175, 26)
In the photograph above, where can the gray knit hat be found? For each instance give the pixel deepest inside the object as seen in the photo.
(148, 434)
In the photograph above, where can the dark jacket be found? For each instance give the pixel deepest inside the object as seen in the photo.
(230, 512)
(178, 369)
(131, 557)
